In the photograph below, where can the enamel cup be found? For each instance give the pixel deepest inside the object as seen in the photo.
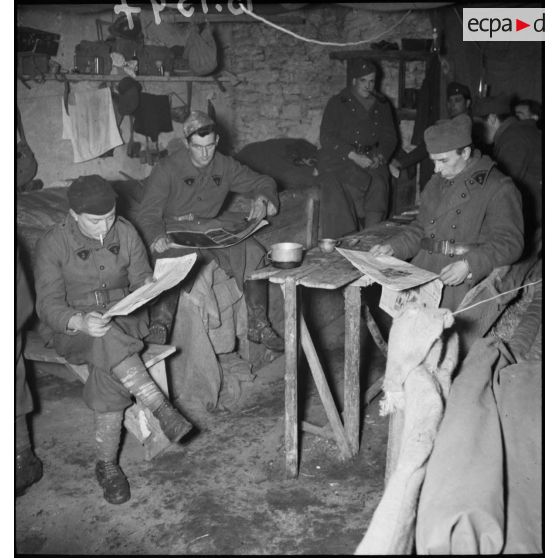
(285, 255)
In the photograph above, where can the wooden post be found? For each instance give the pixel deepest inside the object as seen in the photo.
(312, 218)
(351, 406)
(323, 390)
(291, 389)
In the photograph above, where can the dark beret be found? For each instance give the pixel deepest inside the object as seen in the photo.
(455, 88)
(358, 67)
(91, 194)
(447, 135)
(492, 105)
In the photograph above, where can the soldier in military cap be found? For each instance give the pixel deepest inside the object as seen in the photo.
(469, 221)
(358, 137)
(517, 149)
(192, 185)
(83, 266)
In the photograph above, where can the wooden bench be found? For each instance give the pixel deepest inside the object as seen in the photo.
(138, 420)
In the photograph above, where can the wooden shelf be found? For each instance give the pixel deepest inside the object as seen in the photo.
(377, 53)
(112, 77)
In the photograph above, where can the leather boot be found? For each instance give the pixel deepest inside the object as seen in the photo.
(113, 481)
(172, 423)
(161, 317)
(28, 470)
(259, 328)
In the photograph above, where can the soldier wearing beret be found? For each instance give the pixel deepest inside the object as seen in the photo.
(358, 137)
(458, 101)
(191, 185)
(469, 221)
(83, 266)
(517, 149)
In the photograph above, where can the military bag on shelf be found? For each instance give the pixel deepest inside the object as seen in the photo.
(93, 57)
(200, 50)
(32, 64)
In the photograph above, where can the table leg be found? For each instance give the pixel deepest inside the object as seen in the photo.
(351, 406)
(291, 390)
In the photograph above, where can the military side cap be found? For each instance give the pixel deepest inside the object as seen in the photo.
(91, 194)
(447, 135)
(358, 67)
(455, 88)
(196, 121)
(492, 105)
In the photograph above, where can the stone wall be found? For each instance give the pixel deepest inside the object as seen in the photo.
(284, 83)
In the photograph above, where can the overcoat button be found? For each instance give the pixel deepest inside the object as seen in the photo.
(430, 251)
(432, 235)
(463, 195)
(452, 240)
(432, 221)
(458, 211)
(454, 226)
(101, 267)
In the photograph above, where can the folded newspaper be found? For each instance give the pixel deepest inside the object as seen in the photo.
(222, 235)
(168, 272)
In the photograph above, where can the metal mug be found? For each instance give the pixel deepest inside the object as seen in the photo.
(328, 245)
(285, 255)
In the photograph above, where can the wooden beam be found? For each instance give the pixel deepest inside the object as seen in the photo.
(380, 54)
(179, 19)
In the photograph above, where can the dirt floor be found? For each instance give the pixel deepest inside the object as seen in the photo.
(223, 492)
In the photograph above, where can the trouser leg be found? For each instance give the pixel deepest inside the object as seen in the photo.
(135, 378)
(259, 328)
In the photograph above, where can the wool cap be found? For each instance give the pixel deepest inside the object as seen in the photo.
(455, 88)
(492, 105)
(91, 194)
(358, 67)
(447, 135)
(197, 120)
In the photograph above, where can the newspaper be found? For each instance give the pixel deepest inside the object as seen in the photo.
(168, 273)
(220, 236)
(388, 271)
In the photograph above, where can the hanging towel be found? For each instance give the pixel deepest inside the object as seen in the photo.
(91, 124)
(153, 115)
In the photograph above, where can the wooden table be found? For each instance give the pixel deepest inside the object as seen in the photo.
(326, 271)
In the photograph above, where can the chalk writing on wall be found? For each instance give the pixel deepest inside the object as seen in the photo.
(186, 9)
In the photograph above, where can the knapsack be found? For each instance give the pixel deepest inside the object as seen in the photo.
(200, 50)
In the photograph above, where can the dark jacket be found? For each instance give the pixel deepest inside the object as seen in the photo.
(176, 188)
(346, 125)
(479, 206)
(69, 267)
(518, 152)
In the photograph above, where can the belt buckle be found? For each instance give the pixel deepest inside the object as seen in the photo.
(445, 247)
(101, 297)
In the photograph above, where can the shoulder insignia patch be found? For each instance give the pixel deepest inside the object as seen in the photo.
(83, 254)
(480, 177)
(217, 179)
(115, 249)
(189, 180)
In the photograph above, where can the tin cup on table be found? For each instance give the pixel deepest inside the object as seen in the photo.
(328, 245)
(285, 255)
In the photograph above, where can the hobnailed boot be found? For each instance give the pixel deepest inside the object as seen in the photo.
(259, 328)
(113, 481)
(172, 423)
(28, 470)
(135, 378)
(162, 316)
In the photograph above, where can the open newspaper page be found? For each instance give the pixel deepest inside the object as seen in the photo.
(402, 283)
(168, 273)
(387, 270)
(185, 234)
